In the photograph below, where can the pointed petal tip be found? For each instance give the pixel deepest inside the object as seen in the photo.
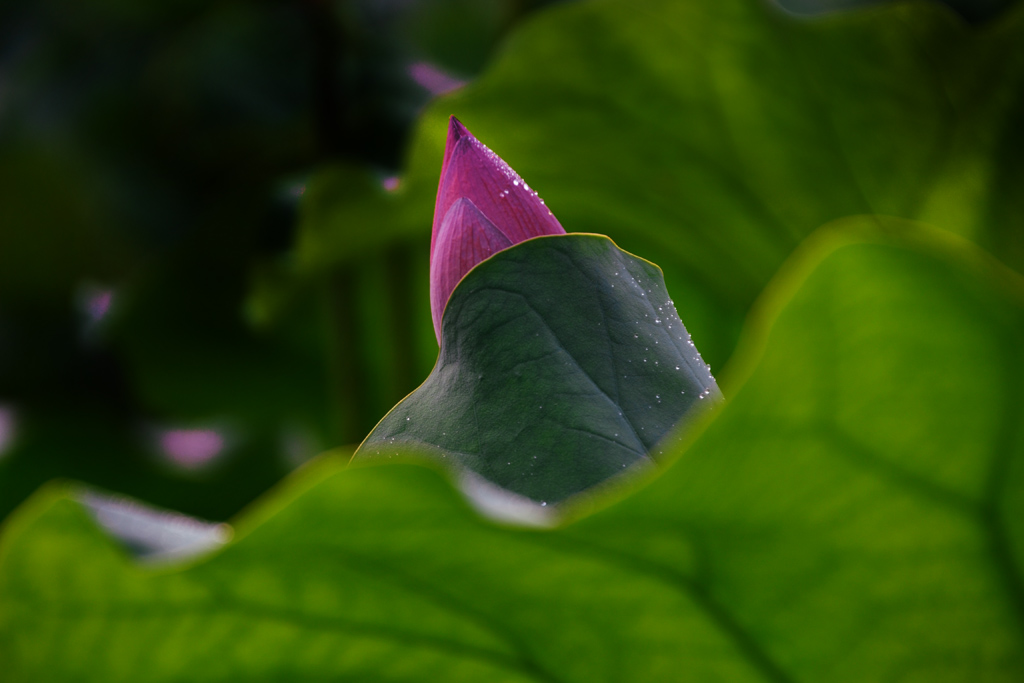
(470, 170)
(456, 130)
(456, 133)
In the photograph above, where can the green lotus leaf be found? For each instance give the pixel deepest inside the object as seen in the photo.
(563, 362)
(853, 513)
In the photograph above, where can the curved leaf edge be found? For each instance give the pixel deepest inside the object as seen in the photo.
(963, 254)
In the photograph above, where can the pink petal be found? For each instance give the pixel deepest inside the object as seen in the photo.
(482, 206)
(464, 239)
(473, 171)
(8, 428)
(191, 447)
(434, 79)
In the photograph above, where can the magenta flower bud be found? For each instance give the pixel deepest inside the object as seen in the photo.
(483, 206)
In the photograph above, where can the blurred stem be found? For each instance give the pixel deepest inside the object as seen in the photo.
(374, 338)
(350, 379)
(400, 288)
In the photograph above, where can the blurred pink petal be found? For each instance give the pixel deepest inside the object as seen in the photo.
(191, 447)
(429, 77)
(8, 424)
(497, 197)
(98, 304)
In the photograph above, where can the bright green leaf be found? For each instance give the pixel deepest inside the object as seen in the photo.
(852, 514)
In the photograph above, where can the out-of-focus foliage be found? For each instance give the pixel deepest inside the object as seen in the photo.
(974, 11)
(851, 514)
(151, 159)
(713, 137)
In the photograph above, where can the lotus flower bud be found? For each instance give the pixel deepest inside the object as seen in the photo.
(483, 206)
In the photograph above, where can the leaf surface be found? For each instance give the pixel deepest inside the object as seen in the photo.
(853, 513)
(563, 361)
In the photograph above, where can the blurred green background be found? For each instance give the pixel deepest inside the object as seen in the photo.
(152, 157)
(199, 289)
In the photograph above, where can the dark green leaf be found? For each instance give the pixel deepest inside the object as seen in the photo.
(563, 362)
